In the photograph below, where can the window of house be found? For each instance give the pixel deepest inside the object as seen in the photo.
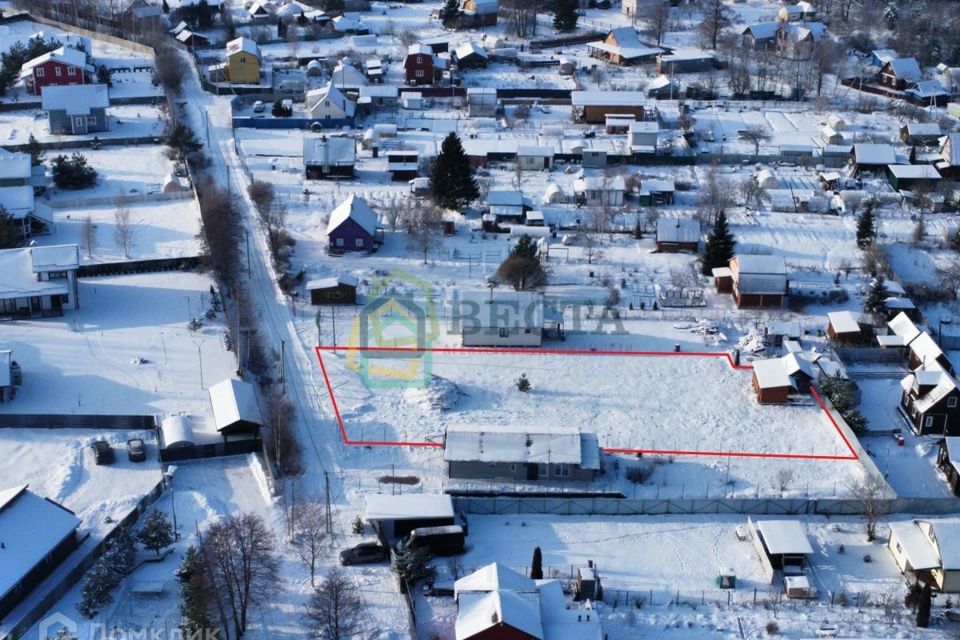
(71, 71)
(504, 333)
(339, 242)
(928, 421)
(57, 275)
(526, 330)
(513, 468)
(92, 121)
(39, 72)
(542, 470)
(8, 306)
(58, 71)
(419, 73)
(243, 59)
(561, 470)
(952, 402)
(359, 242)
(419, 59)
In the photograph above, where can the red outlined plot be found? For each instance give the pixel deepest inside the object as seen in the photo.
(852, 456)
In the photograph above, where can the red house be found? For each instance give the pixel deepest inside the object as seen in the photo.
(419, 64)
(64, 66)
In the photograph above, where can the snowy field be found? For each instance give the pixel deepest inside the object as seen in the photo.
(121, 171)
(683, 555)
(165, 229)
(124, 121)
(89, 356)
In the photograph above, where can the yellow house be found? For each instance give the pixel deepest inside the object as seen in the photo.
(243, 62)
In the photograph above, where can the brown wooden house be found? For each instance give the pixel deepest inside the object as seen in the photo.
(899, 73)
(335, 290)
(759, 281)
(948, 461)
(847, 327)
(771, 382)
(930, 401)
(419, 65)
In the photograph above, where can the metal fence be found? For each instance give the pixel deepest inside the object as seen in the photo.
(77, 421)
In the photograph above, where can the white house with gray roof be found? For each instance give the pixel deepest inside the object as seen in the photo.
(38, 282)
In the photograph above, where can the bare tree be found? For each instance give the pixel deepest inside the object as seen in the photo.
(716, 195)
(240, 557)
(755, 135)
(591, 247)
(656, 15)
(751, 191)
(123, 231)
(716, 18)
(949, 275)
(262, 194)
(870, 490)
(784, 478)
(394, 208)
(170, 67)
(424, 228)
(88, 236)
(335, 609)
(309, 534)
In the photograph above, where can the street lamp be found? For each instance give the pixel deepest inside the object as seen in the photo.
(940, 323)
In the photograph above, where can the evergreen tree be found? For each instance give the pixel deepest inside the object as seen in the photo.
(565, 15)
(876, 295)
(452, 180)
(73, 172)
(525, 248)
(720, 245)
(10, 235)
(183, 139)
(157, 532)
(165, 7)
(536, 566)
(105, 75)
(413, 565)
(35, 151)
(194, 607)
(281, 28)
(451, 8)
(867, 225)
(523, 383)
(923, 607)
(95, 589)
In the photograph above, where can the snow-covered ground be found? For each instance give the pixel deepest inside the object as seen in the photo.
(124, 121)
(87, 361)
(138, 170)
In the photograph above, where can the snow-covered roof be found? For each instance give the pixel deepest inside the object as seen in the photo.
(535, 152)
(469, 49)
(332, 282)
(950, 148)
(901, 325)
(947, 533)
(681, 55)
(907, 69)
(332, 151)
(771, 374)
(177, 431)
(331, 93)
(938, 383)
(757, 264)
(76, 99)
(6, 360)
(867, 153)
(660, 82)
(18, 201)
(14, 165)
(480, 309)
(478, 612)
(505, 443)
(234, 401)
(678, 230)
(411, 506)
(57, 257)
(505, 198)
(893, 303)
(347, 75)
(492, 577)
(64, 55)
(927, 89)
(761, 30)
(354, 208)
(884, 55)
(794, 363)
(925, 348)
(805, 31)
(243, 44)
(784, 537)
(607, 98)
(30, 529)
(844, 321)
(19, 280)
(599, 183)
(914, 171)
(915, 546)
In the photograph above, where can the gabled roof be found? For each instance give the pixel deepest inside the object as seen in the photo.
(492, 577)
(31, 527)
(418, 49)
(761, 30)
(354, 208)
(928, 89)
(925, 348)
(771, 374)
(915, 546)
(500, 309)
(759, 264)
(243, 44)
(18, 279)
(479, 612)
(58, 257)
(874, 153)
(469, 49)
(950, 149)
(907, 69)
(505, 198)
(844, 321)
(625, 37)
(947, 534)
(903, 327)
(64, 55)
(938, 382)
(316, 96)
(233, 401)
(333, 282)
(504, 443)
(76, 100)
(333, 151)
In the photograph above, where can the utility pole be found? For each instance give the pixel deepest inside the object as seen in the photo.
(326, 481)
(283, 365)
(333, 314)
(200, 358)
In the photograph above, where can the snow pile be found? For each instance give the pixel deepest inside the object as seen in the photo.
(440, 395)
(752, 342)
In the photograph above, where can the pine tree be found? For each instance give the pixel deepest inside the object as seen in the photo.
(95, 589)
(923, 607)
(157, 532)
(867, 225)
(536, 566)
(165, 7)
(35, 151)
(450, 9)
(193, 602)
(720, 245)
(523, 383)
(10, 234)
(565, 15)
(876, 296)
(525, 248)
(452, 180)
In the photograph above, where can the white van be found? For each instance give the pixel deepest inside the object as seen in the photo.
(258, 106)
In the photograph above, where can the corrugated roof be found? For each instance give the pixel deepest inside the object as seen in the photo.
(784, 537)
(356, 209)
(75, 99)
(504, 443)
(678, 230)
(411, 506)
(233, 401)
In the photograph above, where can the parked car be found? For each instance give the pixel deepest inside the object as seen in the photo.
(448, 540)
(136, 450)
(102, 453)
(258, 106)
(363, 553)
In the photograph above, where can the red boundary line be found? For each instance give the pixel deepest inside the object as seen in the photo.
(579, 352)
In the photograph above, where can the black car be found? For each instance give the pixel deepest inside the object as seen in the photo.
(102, 453)
(136, 450)
(363, 553)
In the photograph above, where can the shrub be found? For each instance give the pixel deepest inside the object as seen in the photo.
(640, 473)
(73, 172)
(772, 628)
(523, 384)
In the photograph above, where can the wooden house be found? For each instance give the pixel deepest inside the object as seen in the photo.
(480, 13)
(782, 545)
(899, 73)
(353, 227)
(535, 158)
(243, 60)
(329, 103)
(949, 163)
(600, 191)
(758, 281)
(930, 401)
(675, 235)
(912, 176)
(235, 407)
(759, 36)
(593, 107)
(622, 46)
(928, 551)
(76, 110)
(797, 41)
(770, 381)
(847, 327)
(39, 282)
(62, 67)
(948, 461)
(873, 158)
(500, 318)
(403, 164)
(329, 157)
(419, 65)
(333, 291)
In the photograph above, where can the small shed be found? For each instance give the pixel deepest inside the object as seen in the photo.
(782, 545)
(848, 327)
(334, 290)
(314, 69)
(235, 408)
(553, 194)
(677, 234)
(723, 279)
(587, 586)
(535, 158)
(770, 381)
(176, 432)
(395, 516)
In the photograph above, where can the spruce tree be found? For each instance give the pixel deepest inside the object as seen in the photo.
(193, 595)
(923, 607)
(536, 566)
(525, 248)
(157, 532)
(35, 150)
(165, 6)
(565, 15)
(10, 234)
(720, 244)
(867, 225)
(876, 296)
(452, 180)
(450, 9)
